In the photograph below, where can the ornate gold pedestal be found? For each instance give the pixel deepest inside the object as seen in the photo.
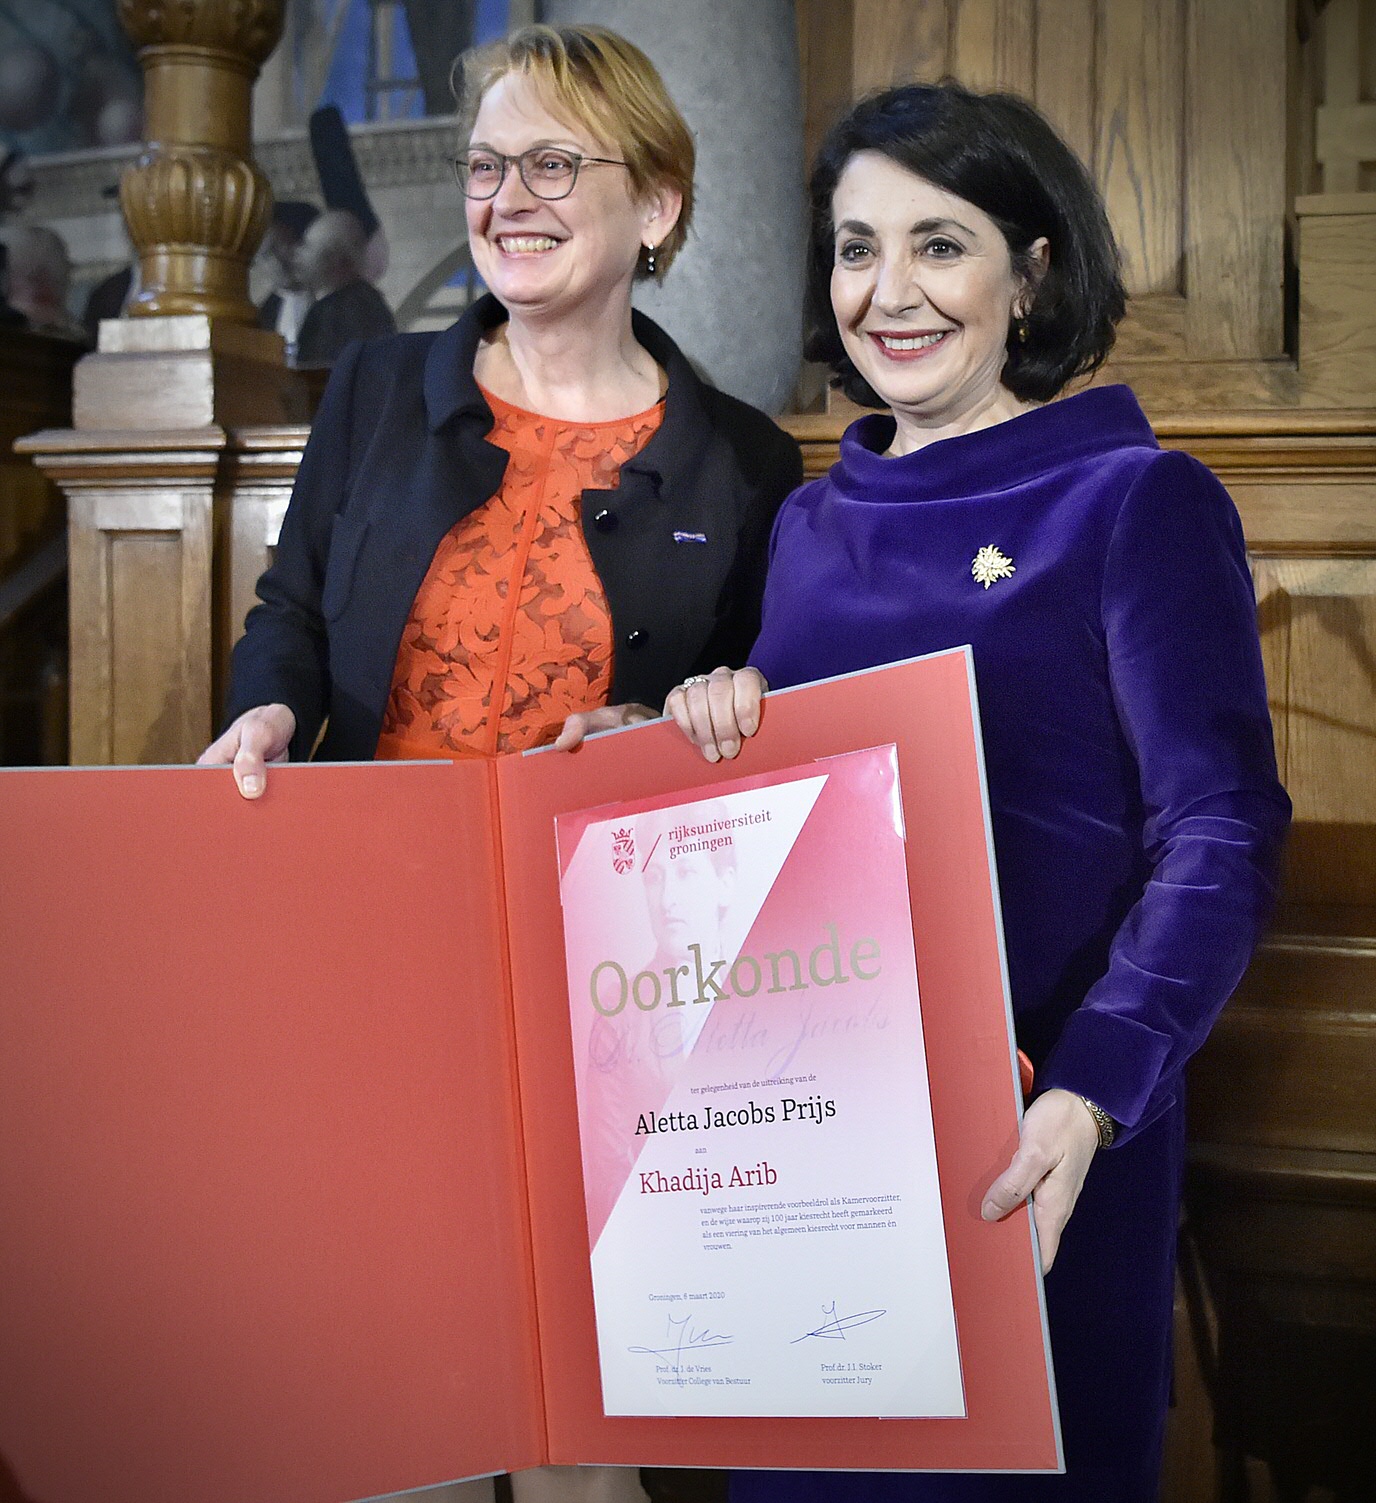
(195, 202)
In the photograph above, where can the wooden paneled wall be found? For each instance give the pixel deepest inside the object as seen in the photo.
(1179, 108)
(1305, 485)
(1345, 125)
(1282, 1172)
(1232, 140)
(1336, 340)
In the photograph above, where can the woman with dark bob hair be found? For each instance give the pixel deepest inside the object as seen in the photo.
(963, 274)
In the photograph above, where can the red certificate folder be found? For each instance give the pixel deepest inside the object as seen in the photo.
(290, 1199)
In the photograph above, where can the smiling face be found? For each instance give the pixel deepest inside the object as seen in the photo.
(924, 290)
(540, 256)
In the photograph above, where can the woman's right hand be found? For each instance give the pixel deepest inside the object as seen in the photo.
(257, 737)
(716, 711)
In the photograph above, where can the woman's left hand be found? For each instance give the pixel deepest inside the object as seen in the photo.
(1059, 1137)
(610, 718)
(718, 710)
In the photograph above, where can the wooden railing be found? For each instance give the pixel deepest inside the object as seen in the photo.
(1345, 123)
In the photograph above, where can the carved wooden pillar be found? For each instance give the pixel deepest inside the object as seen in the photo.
(195, 202)
(149, 464)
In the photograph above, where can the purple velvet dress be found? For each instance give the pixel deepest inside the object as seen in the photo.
(1137, 821)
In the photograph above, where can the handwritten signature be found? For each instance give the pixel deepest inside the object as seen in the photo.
(683, 1337)
(835, 1329)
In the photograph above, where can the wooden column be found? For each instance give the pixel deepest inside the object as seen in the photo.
(190, 353)
(148, 465)
(169, 532)
(195, 202)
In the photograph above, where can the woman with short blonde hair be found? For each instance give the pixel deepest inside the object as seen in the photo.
(537, 522)
(596, 79)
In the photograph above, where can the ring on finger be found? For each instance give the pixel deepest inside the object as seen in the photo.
(695, 678)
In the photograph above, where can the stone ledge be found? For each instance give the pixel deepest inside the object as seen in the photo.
(75, 184)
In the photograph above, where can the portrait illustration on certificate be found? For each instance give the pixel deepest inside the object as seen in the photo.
(760, 1174)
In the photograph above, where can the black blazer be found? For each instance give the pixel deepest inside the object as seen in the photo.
(398, 454)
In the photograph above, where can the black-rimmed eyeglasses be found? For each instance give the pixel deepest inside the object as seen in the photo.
(549, 172)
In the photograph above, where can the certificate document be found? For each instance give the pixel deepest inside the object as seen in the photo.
(525, 1243)
(758, 1159)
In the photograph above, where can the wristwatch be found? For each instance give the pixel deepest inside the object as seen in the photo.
(1108, 1128)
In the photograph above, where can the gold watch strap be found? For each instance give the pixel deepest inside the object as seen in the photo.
(1108, 1128)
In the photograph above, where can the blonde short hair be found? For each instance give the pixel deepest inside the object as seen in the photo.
(596, 79)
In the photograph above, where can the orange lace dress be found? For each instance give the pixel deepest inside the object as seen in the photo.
(510, 631)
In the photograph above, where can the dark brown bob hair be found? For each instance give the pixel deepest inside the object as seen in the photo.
(998, 153)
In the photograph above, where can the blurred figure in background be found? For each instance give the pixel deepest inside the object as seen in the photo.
(330, 265)
(40, 277)
(16, 183)
(285, 307)
(8, 314)
(342, 185)
(113, 294)
(109, 298)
